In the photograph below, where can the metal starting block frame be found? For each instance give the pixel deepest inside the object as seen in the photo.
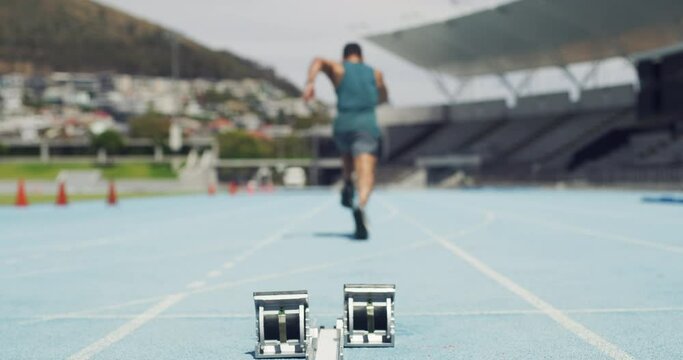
(327, 344)
(283, 328)
(369, 315)
(282, 324)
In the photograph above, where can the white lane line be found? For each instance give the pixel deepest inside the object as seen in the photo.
(151, 313)
(196, 285)
(277, 235)
(214, 274)
(230, 284)
(558, 316)
(589, 232)
(178, 316)
(122, 305)
(153, 222)
(393, 213)
(599, 234)
(621, 215)
(73, 314)
(226, 265)
(311, 268)
(38, 252)
(127, 328)
(489, 218)
(464, 313)
(251, 280)
(54, 270)
(125, 237)
(156, 310)
(67, 247)
(539, 312)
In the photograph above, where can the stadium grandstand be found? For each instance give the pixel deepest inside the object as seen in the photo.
(558, 117)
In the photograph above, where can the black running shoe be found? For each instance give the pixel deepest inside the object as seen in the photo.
(361, 224)
(347, 195)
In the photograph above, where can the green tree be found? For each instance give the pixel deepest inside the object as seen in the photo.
(253, 102)
(214, 97)
(152, 126)
(3, 149)
(293, 147)
(313, 120)
(281, 117)
(110, 140)
(32, 101)
(242, 145)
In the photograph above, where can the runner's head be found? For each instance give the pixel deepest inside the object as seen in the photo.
(352, 50)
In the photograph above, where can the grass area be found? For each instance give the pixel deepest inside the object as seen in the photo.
(49, 171)
(46, 199)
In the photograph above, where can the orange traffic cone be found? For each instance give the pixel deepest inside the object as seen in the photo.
(212, 189)
(112, 197)
(270, 187)
(22, 199)
(251, 187)
(62, 199)
(233, 188)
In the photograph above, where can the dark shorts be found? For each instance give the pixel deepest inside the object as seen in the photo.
(355, 143)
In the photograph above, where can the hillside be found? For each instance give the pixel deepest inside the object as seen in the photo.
(81, 35)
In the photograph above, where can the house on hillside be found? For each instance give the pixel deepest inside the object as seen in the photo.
(221, 125)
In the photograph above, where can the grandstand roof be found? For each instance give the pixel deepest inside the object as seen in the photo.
(529, 34)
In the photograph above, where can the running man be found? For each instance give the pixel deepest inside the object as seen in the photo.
(360, 89)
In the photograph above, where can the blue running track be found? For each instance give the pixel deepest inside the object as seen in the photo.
(480, 274)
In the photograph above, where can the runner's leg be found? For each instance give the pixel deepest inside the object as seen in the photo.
(348, 191)
(364, 165)
(347, 167)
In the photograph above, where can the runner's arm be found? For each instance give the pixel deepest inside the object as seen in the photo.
(381, 87)
(319, 65)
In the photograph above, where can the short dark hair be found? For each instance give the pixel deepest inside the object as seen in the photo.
(352, 49)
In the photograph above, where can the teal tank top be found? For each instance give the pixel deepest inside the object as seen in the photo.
(357, 97)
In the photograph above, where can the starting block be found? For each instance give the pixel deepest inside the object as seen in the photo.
(283, 327)
(282, 324)
(369, 315)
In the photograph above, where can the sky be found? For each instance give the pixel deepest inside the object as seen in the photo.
(287, 34)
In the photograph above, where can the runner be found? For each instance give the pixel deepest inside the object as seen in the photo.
(360, 89)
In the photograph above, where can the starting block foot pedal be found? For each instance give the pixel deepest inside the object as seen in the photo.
(369, 315)
(282, 324)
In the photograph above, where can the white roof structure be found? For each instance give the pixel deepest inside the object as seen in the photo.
(528, 34)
